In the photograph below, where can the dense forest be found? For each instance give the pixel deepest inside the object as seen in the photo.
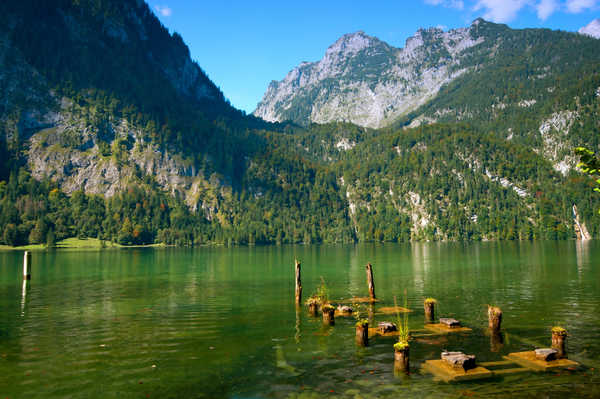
(117, 93)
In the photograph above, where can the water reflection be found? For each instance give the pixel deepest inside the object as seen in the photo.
(23, 296)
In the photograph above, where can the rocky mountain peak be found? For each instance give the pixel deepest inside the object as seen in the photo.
(364, 80)
(592, 29)
(350, 43)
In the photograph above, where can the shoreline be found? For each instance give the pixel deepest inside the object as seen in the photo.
(78, 244)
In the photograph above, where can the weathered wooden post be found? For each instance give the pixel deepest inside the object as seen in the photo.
(494, 318)
(27, 265)
(401, 357)
(298, 284)
(370, 281)
(429, 306)
(496, 341)
(313, 306)
(362, 332)
(559, 342)
(328, 314)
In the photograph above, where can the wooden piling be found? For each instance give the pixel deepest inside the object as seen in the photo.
(429, 307)
(362, 333)
(298, 284)
(496, 341)
(370, 281)
(559, 342)
(27, 265)
(328, 314)
(401, 357)
(494, 318)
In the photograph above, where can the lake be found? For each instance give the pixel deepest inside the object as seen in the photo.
(221, 322)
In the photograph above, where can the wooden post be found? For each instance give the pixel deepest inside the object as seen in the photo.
(559, 342)
(496, 341)
(298, 284)
(328, 315)
(429, 306)
(370, 281)
(362, 333)
(494, 318)
(401, 358)
(27, 265)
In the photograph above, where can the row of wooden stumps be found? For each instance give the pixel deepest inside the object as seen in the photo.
(401, 349)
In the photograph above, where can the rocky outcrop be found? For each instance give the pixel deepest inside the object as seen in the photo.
(363, 80)
(581, 230)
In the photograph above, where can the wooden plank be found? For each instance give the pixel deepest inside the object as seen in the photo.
(527, 359)
(421, 335)
(362, 300)
(374, 331)
(514, 370)
(443, 370)
(497, 363)
(343, 314)
(393, 310)
(442, 328)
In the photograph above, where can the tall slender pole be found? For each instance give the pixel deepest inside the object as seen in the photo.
(27, 265)
(370, 281)
(298, 284)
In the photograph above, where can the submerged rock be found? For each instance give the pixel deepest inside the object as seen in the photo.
(459, 360)
(345, 309)
(546, 354)
(450, 322)
(386, 326)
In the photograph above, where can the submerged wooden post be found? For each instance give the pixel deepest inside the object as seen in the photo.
(313, 305)
(370, 281)
(496, 341)
(494, 318)
(429, 306)
(328, 314)
(27, 265)
(401, 357)
(362, 333)
(298, 284)
(559, 342)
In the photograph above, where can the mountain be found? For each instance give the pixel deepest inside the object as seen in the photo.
(368, 82)
(109, 130)
(592, 29)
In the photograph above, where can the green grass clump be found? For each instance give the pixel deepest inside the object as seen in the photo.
(400, 346)
(323, 292)
(557, 330)
(313, 300)
(327, 308)
(402, 323)
(362, 323)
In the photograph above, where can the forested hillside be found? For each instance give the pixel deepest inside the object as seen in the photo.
(108, 129)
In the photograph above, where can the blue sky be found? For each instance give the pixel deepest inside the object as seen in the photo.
(243, 45)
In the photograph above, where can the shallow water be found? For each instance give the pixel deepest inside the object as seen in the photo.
(221, 322)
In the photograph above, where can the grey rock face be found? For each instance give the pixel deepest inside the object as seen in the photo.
(368, 82)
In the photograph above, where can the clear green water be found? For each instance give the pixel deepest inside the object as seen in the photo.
(221, 322)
